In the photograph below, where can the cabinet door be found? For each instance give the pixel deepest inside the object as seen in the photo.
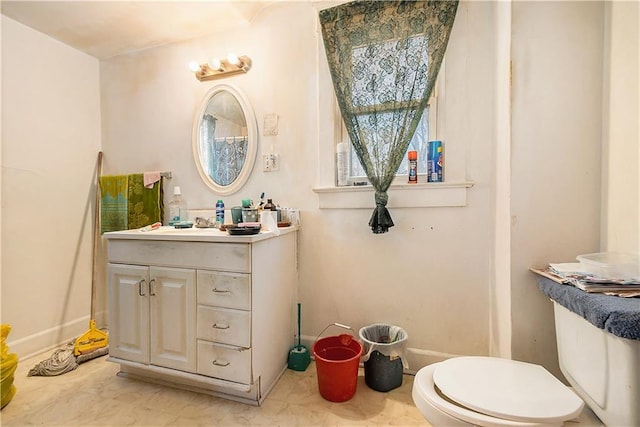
(129, 312)
(172, 293)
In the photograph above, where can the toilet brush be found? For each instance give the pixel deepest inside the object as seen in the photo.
(299, 356)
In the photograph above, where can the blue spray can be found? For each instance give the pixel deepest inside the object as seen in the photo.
(435, 161)
(219, 213)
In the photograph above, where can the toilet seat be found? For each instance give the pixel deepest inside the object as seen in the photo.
(494, 392)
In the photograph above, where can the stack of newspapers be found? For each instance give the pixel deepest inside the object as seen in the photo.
(575, 274)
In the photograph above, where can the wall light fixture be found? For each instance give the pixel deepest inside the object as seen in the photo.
(220, 68)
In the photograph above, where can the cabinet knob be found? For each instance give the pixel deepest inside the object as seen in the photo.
(221, 363)
(151, 291)
(220, 291)
(222, 326)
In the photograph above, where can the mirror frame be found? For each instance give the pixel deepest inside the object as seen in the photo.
(252, 145)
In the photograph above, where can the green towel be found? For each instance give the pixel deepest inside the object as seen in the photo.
(113, 203)
(145, 204)
(125, 203)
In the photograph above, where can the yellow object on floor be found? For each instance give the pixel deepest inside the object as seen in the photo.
(91, 340)
(8, 365)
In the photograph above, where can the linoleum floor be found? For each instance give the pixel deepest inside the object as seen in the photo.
(92, 395)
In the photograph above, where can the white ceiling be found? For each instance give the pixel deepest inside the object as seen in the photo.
(109, 28)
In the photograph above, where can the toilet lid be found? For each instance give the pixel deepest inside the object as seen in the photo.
(426, 396)
(507, 389)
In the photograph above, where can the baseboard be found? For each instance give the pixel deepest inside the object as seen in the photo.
(48, 339)
(102, 319)
(416, 358)
(419, 358)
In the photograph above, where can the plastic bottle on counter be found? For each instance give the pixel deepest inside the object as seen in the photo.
(177, 207)
(219, 213)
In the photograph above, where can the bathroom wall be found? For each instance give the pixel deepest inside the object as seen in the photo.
(434, 259)
(621, 131)
(50, 142)
(436, 265)
(432, 274)
(557, 63)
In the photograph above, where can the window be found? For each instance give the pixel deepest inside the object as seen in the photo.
(425, 132)
(452, 192)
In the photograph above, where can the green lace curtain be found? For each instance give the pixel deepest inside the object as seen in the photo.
(384, 58)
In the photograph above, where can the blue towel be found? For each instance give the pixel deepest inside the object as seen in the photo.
(616, 315)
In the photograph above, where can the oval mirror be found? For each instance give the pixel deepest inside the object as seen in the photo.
(225, 139)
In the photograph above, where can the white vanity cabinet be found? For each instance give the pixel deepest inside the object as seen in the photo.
(202, 310)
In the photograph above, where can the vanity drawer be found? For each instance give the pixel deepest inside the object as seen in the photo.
(224, 325)
(218, 256)
(227, 363)
(230, 290)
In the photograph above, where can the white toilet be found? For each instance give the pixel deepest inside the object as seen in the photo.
(489, 391)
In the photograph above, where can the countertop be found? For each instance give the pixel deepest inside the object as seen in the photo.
(194, 234)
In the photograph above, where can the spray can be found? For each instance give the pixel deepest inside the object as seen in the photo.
(413, 167)
(435, 161)
(219, 213)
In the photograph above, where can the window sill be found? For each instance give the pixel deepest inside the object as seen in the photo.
(427, 195)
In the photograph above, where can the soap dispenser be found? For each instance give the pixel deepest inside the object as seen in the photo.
(177, 207)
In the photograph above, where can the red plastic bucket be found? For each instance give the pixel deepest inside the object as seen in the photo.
(337, 360)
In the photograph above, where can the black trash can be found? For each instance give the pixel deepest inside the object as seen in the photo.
(383, 356)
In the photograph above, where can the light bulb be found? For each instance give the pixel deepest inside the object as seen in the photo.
(194, 66)
(215, 64)
(233, 59)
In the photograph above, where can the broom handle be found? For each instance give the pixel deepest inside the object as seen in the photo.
(299, 332)
(96, 234)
